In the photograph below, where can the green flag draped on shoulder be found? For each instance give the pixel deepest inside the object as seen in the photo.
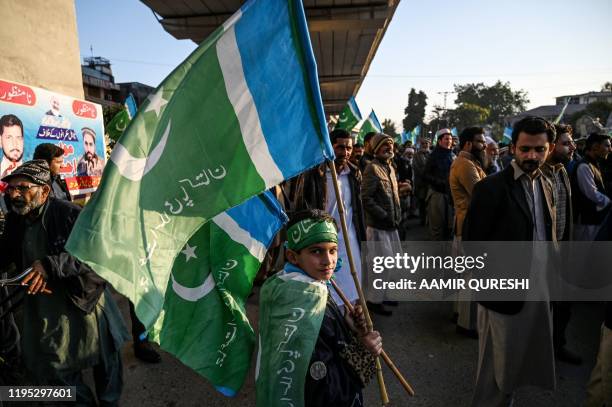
(292, 306)
(242, 113)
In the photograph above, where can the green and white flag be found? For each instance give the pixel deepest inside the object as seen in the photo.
(558, 119)
(241, 114)
(119, 123)
(291, 310)
(371, 124)
(349, 117)
(204, 321)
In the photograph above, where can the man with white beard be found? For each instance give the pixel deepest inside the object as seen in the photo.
(381, 204)
(69, 321)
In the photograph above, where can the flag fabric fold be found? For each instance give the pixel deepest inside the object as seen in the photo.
(216, 131)
(204, 322)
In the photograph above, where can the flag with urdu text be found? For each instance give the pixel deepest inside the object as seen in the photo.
(204, 322)
(370, 124)
(350, 116)
(241, 114)
(120, 121)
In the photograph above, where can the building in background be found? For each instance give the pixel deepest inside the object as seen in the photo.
(140, 91)
(40, 45)
(99, 83)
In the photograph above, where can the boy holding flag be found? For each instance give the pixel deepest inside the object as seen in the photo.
(310, 354)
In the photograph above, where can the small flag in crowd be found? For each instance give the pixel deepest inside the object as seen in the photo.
(350, 116)
(213, 134)
(508, 134)
(204, 322)
(119, 123)
(370, 124)
(558, 119)
(415, 133)
(454, 132)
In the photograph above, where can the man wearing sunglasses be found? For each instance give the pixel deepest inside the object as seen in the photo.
(68, 320)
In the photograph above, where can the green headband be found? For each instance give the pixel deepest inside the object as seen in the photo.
(310, 231)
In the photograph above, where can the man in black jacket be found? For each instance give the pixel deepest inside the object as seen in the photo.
(439, 201)
(315, 190)
(69, 321)
(516, 204)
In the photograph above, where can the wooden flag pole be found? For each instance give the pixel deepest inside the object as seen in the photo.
(384, 355)
(381, 381)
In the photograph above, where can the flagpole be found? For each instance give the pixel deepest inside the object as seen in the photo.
(381, 381)
(384, 355)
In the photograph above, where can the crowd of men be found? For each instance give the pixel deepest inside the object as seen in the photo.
(543, 189)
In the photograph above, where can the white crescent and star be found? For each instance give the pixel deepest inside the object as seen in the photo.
(134, 168)
(156, 101)
(195, 293)
(189, 252)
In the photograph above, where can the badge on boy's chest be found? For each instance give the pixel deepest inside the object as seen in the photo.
(318, 370)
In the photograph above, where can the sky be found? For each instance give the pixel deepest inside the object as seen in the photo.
(546, 47)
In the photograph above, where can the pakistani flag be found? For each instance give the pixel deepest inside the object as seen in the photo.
(204, 322)
(350, 116)
(371, 124)
(119, 123)
(241, 114)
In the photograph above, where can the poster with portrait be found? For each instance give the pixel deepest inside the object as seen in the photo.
(30, 116)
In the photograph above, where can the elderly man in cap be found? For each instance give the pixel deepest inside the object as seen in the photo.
(439, 200)
(68, 320)
(89, 164)
(381, 204)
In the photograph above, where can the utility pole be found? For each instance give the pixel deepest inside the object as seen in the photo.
(446, 93)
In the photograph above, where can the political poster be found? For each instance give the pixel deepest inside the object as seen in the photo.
(30, 116)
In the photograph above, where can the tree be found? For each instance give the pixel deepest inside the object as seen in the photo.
(415, 111)
(499, 99)
(468, 114)
(606, 87)
(389, 128)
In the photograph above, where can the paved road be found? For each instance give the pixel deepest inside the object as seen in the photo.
(420, 338)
